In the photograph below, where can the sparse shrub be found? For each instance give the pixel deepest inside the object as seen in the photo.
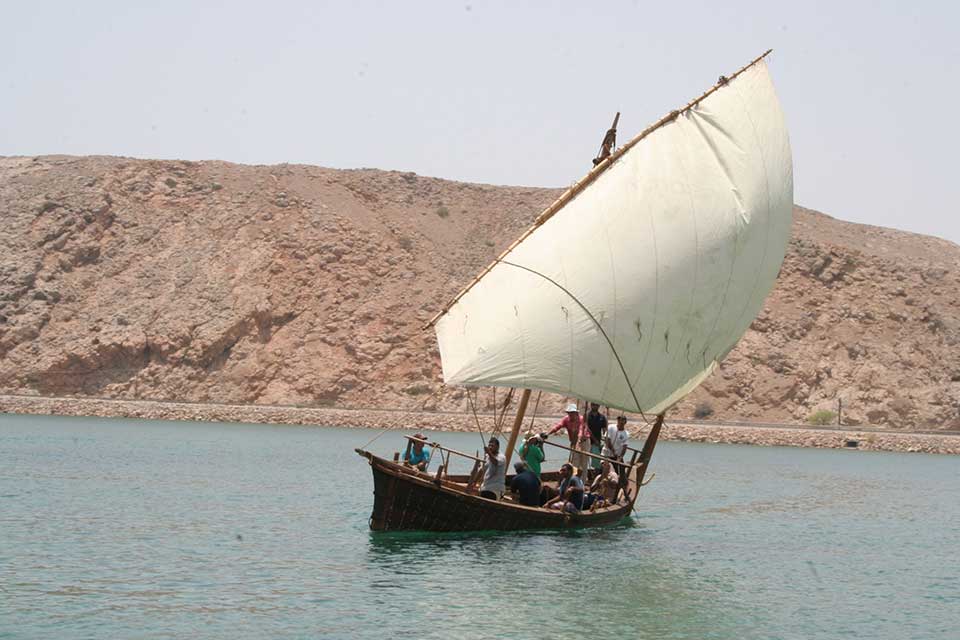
(703, 410)
(417, 389)
(489, 243)
(405, 243)
(442, 211)
(822, 417)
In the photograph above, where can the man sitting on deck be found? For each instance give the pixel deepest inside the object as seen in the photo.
(604, 489)
(571, 491)
(526, 485)
(494, 471)
(416, 454)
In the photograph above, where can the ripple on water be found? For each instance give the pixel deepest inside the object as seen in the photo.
(149, 529)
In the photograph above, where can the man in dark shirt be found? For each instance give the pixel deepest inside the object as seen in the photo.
(570, 496)
(597, 423)
(527, 485)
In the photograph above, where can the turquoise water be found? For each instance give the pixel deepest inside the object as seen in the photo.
(144, 529)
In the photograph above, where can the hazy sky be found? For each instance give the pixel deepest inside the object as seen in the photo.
(513, 93)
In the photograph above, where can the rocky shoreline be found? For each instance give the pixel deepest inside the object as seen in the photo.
(798, 436)
(307, 286)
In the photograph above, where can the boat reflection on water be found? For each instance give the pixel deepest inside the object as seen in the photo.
(609, 579)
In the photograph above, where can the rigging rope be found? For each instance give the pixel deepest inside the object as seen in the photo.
(503, 412)
(613, 349)
(404, 415)
(473, 408)
(533, 417)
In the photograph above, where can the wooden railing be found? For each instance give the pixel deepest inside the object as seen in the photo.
(626, 479)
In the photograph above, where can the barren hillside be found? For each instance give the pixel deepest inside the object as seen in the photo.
(216, 282)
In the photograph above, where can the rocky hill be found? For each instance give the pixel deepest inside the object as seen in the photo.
(216, 282)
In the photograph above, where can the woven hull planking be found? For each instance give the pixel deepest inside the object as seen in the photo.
(405, 501)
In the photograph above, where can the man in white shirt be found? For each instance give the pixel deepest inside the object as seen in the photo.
(494, 472)
(606, 484)
(604, 489)
(615, 444)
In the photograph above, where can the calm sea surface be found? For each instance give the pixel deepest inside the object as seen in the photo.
(142, 529)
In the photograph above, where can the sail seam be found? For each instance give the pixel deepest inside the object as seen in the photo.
(523, 344)
(613, 281)
(736, 239)
(563, 272)
(656, 296)
(768, 217)
(592, 318)
(696, 275)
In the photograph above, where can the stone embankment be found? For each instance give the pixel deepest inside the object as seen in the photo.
(429, 421)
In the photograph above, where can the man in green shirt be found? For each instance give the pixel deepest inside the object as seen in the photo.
(531, 452)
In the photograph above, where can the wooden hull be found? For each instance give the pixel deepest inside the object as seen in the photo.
(407, 501)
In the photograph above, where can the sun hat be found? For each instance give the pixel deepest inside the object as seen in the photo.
(572, 408)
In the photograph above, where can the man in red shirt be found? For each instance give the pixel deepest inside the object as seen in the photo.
(578, 433)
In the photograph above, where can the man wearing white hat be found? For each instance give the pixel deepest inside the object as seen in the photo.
(578, 433)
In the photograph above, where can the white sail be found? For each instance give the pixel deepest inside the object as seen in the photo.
(633, 291)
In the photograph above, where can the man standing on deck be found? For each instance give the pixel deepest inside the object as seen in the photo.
(494, 472)
(597, 423)
(531, 452)
(577, 433)
(615, 444)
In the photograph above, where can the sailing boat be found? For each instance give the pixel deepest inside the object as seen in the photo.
(627, 291)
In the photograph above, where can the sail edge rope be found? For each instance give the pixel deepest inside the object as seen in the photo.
(613, 349)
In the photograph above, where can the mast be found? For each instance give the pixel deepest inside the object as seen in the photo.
(517, 422)
(647, 452)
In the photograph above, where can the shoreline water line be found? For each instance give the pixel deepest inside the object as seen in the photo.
(758, 435)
